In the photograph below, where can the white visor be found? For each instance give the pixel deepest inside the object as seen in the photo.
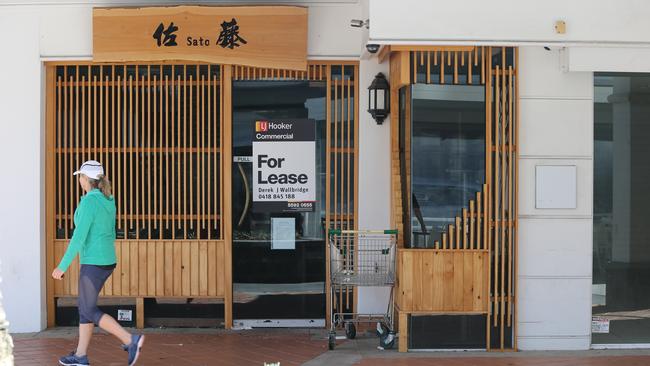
(91, 169)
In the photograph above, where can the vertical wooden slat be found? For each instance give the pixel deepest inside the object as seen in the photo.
(194, 268)
(226, 159)
(428, 292)
(458, 279)
(177, 268)
(130, 156)
(442, 67)
(184, 170)
(151, 267)
(210, 172)
(154, 123)
(160, 263)
(488, 178)
(203, 268)
(328, 180)
(470, 64)
(468, 280)
(515, 195)
(149, 145)
(192, 145)
(203, 147)
(416, 274)
(220, 266)
(510, 197)
(176, 172)
(503, 179)
(169, 268)
(452, 237)
(142, 176)
(496, 192)
(125, 162)
(465, 228)
(444, 240)
(65, 156)
(118, 272)
(133, 269)
(479, 300)
(455, 67)
(212, 268)
(162, 119)
(472, 221)
(459, 229)
(448, 278)
(218, 185)
(126, 267)
(479, 227)
(197, 147)
(169, 120)
(119, 194)
(142, 267)
(428, 67)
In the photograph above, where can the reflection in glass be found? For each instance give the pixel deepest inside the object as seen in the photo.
(621, 234)
(447, 156)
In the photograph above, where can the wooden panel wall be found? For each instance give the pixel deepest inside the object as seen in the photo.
(156, 268)
(437, 281)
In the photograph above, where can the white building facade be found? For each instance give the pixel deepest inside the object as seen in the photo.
(555, 283)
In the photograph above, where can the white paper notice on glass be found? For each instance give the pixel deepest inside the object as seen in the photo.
(599, 325)
(283, 233)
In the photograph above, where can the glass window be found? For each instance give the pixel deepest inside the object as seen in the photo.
(447, 156)
(621, 234)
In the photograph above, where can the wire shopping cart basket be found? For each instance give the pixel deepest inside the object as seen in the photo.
(361, 258)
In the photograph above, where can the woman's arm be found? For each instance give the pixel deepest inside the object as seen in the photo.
(82, 227)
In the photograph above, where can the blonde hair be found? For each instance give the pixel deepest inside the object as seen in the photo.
(103, 184)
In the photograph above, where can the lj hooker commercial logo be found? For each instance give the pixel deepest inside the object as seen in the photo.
(261, 126)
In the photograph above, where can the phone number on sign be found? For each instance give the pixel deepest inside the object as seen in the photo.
(300, 204)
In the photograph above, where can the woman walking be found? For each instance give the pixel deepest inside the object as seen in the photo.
(94, 240)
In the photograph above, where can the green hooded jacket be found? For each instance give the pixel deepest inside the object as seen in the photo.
(94, 233)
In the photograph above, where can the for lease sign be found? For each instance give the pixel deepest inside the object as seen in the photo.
(284, 166)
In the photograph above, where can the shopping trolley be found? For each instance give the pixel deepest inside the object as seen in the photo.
(361, 258)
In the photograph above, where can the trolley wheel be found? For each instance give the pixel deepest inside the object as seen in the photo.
(387, 341)
(331, 341)
(350, 330)
(382, 329)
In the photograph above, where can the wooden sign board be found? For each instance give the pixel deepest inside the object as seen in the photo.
(259, 36)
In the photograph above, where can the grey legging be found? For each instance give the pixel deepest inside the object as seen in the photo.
(91, 281)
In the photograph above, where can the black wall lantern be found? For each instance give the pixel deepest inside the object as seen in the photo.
(379, 98)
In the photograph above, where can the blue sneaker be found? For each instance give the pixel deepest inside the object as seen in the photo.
(74, 360)
(134, 349)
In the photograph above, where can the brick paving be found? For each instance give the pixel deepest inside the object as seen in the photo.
(224, 348)
(289, 347)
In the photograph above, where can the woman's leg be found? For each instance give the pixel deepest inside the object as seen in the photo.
(86, 301)
(85, 333)
(107, 323)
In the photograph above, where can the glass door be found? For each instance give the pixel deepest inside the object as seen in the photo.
(278, 253)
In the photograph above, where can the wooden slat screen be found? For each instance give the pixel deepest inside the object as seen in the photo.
(488, 223)
(156, 130)
(342, 163)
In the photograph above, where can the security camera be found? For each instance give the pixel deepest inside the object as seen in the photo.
(372, 48)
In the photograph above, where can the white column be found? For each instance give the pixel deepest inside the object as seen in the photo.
(22, 245)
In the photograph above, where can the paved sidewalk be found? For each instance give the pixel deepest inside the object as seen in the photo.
(289, 347)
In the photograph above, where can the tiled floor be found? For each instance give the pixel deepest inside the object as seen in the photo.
(511, 361)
